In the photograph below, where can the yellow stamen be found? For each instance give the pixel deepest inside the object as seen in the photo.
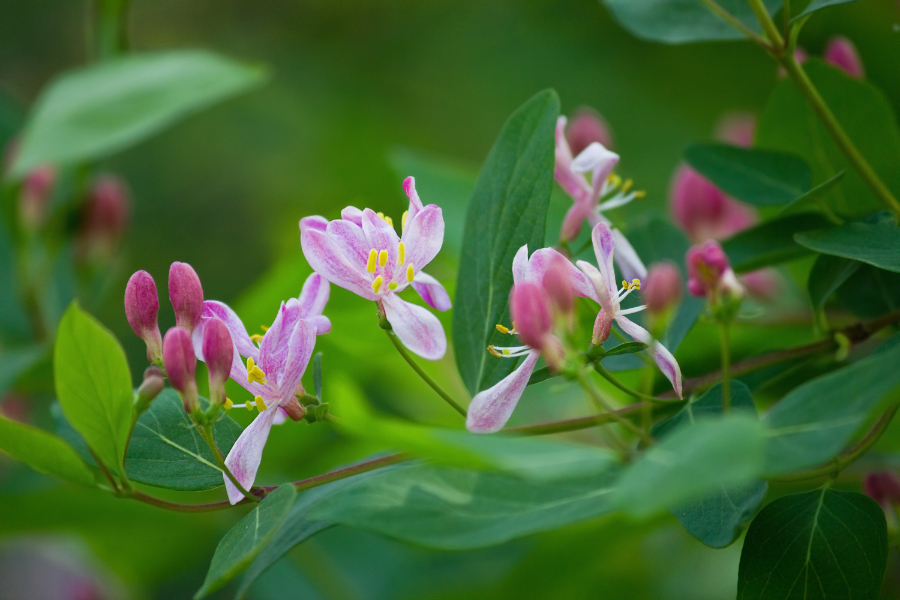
(514, 330)
(640, 194)
(616, 180)
(627, 186)
(254, 373)
(376, 285)
(625, 285)
(403, 219)
(256, 338)
(401, 253)
(389, 221)
(249, 406)
(392, 285)
(382, 258)
(505, 352)
(370, 264)
(410, 273)
(502, 329)
(264, 328)
(380, 215)
(636, 284)
(494, 352)
(228, 404)
(260, 405)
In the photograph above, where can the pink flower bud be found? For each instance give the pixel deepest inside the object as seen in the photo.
(586, 127)
(218, 353)
(186, 295)
(558, 286)
(106, 214)
(883, 487)
(706, 264)
(662, 288)
(703, 210)
(150, 387)
(842, 53)
(142, 309)
(764, 284)
(737, 128)
(602, 328)
(181, 365)
(530, 312)
(34, 199)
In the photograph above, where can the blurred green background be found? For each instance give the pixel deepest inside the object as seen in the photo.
(359, 89)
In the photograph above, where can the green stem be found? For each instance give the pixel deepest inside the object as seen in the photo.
(207, 434)
(174, 506)
(595, 395)
(737, 24)
(618, 384)
(726, 366)
(431, 382)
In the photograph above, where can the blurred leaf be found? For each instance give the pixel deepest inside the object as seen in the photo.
(167, 451)
(718, 518)
(680, 21)
(507, 210)
(815, 421)
(692, 462)
(626, 348)
(93, 384)
(43, 452)
(808, 201)
(875, 243)
(100, 109)
(759, 177)
(817, 5)
(14, 322)
(827, 275)
(770, 243)
(317, 375)
(247, 539)
(790, 125)
(17, 361)
(526, 457)
(819, 544)
(870, 292)
(541, 375)
(11, 117)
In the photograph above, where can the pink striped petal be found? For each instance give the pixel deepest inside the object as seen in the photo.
(352, 214)
(381, 236)
(604, 249)
(415, 204)
(545, 258)
(351, 240)
(491, 409)
(246, 454)
(601, 293)
(300, 347)
(321, 323)
(664, 359)
(629, 262)
(326, 259)
(520, 265)
(273, 351)
(571, 227)
(417, 328)
(242, 342)
(424, 236)
(431, 291)
(314, 296)
(316, 222)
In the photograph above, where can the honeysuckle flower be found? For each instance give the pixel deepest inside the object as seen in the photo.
(142, 312)
(704, 211)
(272, 372)
(883, 487)
(604, 192)
(842, 53)
(361, 252)
(662, 289)
(586, 127)
(605, 293)
(186, 295)
(218, 354)
(181, 366)
(708, 267)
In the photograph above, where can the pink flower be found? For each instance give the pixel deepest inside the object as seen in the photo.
(181, 366)
(842, 53)
(186, 295)
(142, 310)
(361, 252)
(883, 487)
(703, 210)
(587, 127)
(273, 370)
(738, 128)
(709, 272)
(662, 289)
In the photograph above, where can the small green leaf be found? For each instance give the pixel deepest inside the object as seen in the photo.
(626, 348)
(759, 177)
(810, 200)
(877, 244)
(819, 544)
(43, 452)
(507, 210)
(828, 273)
(100, 109)
(870, 292)
(817, 5)
(167, 451)
(770, 243)
(247, 539)
(541, 375)
(93, 384)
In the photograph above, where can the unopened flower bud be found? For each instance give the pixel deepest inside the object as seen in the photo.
(602, 328)
(186, 295)
(842, 53)
(150, 388)
(883, 487)
(703, 210)
(586, 127)
(706, 263)
(181, 366)
(106, 214)
(530, 311)
(737, 128)
(142, 309)
(218, 354)
(34, 198)
(662, 288)
(558, 286)
(294, 409)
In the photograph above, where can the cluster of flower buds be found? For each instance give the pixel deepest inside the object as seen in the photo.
(884, 488)
(710, 275)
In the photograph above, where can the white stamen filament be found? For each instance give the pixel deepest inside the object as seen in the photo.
(513, 351)
(630, 311)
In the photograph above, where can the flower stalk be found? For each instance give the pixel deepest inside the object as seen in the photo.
(425, 377)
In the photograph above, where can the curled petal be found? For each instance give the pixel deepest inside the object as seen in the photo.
(418, 329)
(563, 151)
(314, 296)
(424, 236)
(604, 249)
(577, 214)
(431, 291)
(664, 359)
(491, 409)
(246, 454)
(520, 265)
(546, 258)
(597, 160)
(381, 236)
(352, 214)
(415, 204)
(236, 329)
(601, 292)
(315, 222)
(629, 262)
(321, 323)
(326, 258)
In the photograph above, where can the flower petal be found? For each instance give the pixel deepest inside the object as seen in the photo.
(417, 328)
(424, 236)
(273, 351)
(315, 222)
(601, 294)
(321, 323)
(604, 250)
(545, 258)
(597, 160)
(520, 265)
(327, 259)
(664, 359)
(242, 342)
(431, 291)
(629, 262)
(244, 458)
(352, 214)
(491, 409)
(280, 416)
(314, 296)
(350, 238)
(576, 215)
(381, 236)
(300, 347)
(415, 205)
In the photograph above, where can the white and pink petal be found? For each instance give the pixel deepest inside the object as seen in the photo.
(417, 328)
(492, 408)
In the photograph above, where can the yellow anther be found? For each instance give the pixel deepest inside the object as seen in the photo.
(627, 186)
(392, 285)
(254, 373)
(373, 257)
(382, 258)
(403, 219)
(626, 285)
(376, 285)
(514, 330)
(502, 329)
(264, 328)
(256, 338)
(636, 284)
(494, 352)
(380, 215)
(249, 406)
(615, 180)
(389, 221)
(260, 405)
(640, 194)
(401, 253)
(410, 273)
(505, 352)
(228, 404)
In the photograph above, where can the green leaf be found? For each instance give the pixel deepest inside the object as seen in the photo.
(167, 451)
(819, 544)
(877, 244)
(693, 462)
(626, 348)
(93, 384)
(869, 292)
(817, 5)
(828, 273)
(810, 200)
(246, 539)
(43, 452)
(759, 177)
(541, 375)
(680, 21)
(103, 108)
(717, 518)
(507, 210)
(17, 361)
(770, 243)
(789, 124)
(815, 421)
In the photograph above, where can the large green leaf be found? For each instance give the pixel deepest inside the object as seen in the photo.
(811, 201)
(693, 462)
(760, 177)
(818, 545)
(717, 518)
(100, 109)
(166, 450)
(790, 125)
(43, 451)
(815, 421)
(817, 5)
(507, 210)
(770, 243)
(93, 384)
(875, 243)
(246, 539)
(869, 292)
(828, 273)
(680, 21)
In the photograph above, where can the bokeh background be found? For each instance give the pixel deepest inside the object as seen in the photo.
(363, 93)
